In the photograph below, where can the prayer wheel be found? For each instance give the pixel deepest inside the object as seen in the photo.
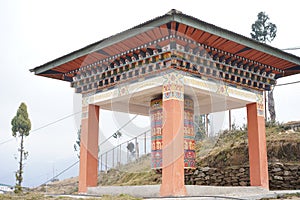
(156, 113)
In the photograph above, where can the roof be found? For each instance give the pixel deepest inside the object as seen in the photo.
(5, 185)
(177, 23)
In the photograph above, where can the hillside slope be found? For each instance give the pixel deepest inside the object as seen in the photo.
(231, 147)
(228, 149)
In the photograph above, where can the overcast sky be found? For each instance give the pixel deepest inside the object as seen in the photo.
(34, 32)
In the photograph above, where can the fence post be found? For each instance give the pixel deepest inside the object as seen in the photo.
(230, 125)
(127, 153)
(137, 149)
(120, 156)
(119, 152)
(117, 155)
(106, 162)
(113, 158)
(145, 143)
(101, 162)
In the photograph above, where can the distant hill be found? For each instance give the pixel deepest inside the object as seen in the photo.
(66, 186)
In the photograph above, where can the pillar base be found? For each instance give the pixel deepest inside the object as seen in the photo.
(172, 190)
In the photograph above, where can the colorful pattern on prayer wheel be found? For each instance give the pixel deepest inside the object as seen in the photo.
(156, 114)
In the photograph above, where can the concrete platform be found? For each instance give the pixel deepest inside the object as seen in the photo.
(194, 192)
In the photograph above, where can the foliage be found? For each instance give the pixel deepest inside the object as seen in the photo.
(77, 143)
(199, 126)
(279, 126)
(262, 29)
(21, 127)
(21, 123)
(131, 148)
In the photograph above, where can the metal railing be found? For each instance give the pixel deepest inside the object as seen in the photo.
(128, 151)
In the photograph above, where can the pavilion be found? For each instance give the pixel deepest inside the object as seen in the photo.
(168, 67)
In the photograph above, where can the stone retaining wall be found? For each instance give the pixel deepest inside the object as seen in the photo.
(282, 176)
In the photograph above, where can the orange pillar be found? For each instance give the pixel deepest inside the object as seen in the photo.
(173, 137)
(88, 170)
(257, 146)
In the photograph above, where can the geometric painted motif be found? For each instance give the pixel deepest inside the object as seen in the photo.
(222, 89)
(260, 104)
(189, 134)
(156, 133)
(173, 86)
(156, 114)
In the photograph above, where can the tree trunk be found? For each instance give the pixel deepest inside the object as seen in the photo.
(20, 171)
(271, 106)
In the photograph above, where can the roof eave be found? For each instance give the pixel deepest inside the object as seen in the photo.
(102, 44)
(210, 28)
(180, 18)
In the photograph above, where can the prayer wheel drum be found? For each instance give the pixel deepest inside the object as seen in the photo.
(156, 113)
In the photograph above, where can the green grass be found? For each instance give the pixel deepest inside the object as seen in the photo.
(120, 197)
(135, 173)
(115, 177)
(231, 147)
(36, 196)
(286, 196)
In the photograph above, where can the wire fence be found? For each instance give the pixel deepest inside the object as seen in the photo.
(126, 152)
